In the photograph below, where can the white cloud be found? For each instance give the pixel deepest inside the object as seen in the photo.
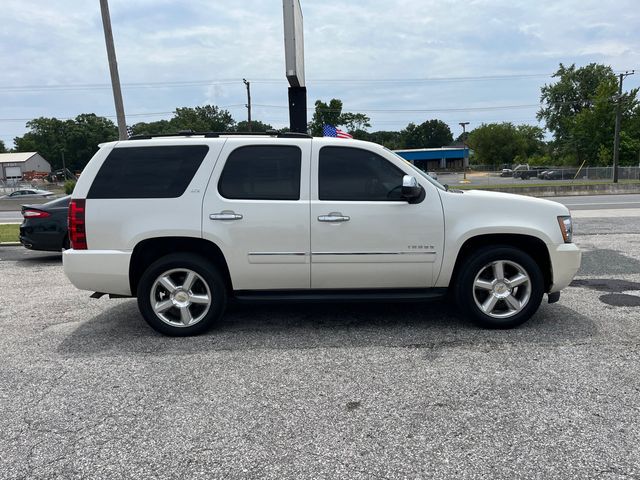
(61, 42)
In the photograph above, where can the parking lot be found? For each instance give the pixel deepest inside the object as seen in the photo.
(88, 390)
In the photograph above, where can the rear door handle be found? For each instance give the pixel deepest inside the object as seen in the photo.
(225, 215)
(334, 217)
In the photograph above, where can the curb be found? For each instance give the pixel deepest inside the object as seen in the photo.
(10, 244)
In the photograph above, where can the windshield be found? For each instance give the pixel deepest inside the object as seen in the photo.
(416, 169)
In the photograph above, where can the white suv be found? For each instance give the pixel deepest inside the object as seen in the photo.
(186, 222)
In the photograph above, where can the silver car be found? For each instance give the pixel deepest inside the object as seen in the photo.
(27, 193)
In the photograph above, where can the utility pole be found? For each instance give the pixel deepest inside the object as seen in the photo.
(465, 160)
(113, 69)
(248, 84)
(616, 137)
(64, 167)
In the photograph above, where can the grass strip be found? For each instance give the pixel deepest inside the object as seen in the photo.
(9, 233)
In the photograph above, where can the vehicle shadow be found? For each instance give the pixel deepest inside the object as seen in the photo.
(30, 257)
(432, 326)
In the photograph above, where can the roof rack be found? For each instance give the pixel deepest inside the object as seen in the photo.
(190, 133)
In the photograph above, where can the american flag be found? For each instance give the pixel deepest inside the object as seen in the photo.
(331, 131)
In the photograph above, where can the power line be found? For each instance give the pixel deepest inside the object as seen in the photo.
(148, 114)
(414, 110)
(197, 83)
(487, 108)
(238, 81)
(151, 114)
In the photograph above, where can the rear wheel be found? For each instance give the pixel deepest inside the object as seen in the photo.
(181, 294)
(499, 287)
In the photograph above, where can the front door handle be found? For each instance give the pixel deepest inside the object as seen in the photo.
(334, 217)
(225, 215)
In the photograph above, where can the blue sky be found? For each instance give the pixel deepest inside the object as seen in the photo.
(398, 61)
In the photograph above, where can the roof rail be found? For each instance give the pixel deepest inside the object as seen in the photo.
(190, 133)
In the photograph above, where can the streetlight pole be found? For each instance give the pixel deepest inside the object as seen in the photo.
(465, 160)
(113, 69)
(616, 137)
(248, 84)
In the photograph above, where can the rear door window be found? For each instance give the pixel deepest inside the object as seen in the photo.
(262, 172)
(147, 172)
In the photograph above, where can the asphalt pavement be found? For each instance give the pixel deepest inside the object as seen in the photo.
(88, 390)
(599, 202)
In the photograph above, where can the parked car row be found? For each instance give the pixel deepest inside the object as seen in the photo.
(543, 173)
(559, 174)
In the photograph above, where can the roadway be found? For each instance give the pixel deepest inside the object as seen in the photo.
(599, 202)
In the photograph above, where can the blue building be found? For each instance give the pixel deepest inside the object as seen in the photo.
(444, 158)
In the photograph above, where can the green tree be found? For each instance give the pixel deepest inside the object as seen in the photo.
(153, 128)
(430, 134)
(76, 139)
(532, 140)
(208, 118)
(256, 126)
(390, 139)
(579, 109)
(331, 114)
(325, 114)
(496, 144)
(85, 133)
(3, 149)
(354, 121)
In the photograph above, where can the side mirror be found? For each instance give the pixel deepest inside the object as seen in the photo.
(411, 189)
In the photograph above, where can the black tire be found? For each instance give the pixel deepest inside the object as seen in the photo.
(468, 296)
(207, 283)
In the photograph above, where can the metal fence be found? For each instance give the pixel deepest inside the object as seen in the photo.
(601, 173)
(552, 175)
(9, 186)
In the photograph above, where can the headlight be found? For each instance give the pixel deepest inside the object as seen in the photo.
(566, 228)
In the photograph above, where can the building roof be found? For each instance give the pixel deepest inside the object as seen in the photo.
(434, 153)
(19, 157)
(429, 149)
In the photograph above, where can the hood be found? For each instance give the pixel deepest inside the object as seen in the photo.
(510, 201)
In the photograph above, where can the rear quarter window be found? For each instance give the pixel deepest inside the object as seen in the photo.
(147, 172)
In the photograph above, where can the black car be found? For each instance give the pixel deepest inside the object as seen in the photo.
(45, 226)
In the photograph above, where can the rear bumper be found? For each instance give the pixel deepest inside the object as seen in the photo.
(105, 271)
(37, 237)
(565, 262)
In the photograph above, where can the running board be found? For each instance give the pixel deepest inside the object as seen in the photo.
(347, 295)
(111, 295)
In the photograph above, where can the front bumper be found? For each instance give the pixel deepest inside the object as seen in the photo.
(105, 271)
(565, 263)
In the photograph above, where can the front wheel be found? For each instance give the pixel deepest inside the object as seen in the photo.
(499, 287)
(181, 295)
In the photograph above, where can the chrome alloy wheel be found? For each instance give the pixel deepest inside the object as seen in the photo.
(180, 297)
(502, 289)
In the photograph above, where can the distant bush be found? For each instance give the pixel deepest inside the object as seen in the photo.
(69, 185)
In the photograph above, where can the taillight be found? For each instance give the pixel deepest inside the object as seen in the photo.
(35, 214)
(76, 223)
